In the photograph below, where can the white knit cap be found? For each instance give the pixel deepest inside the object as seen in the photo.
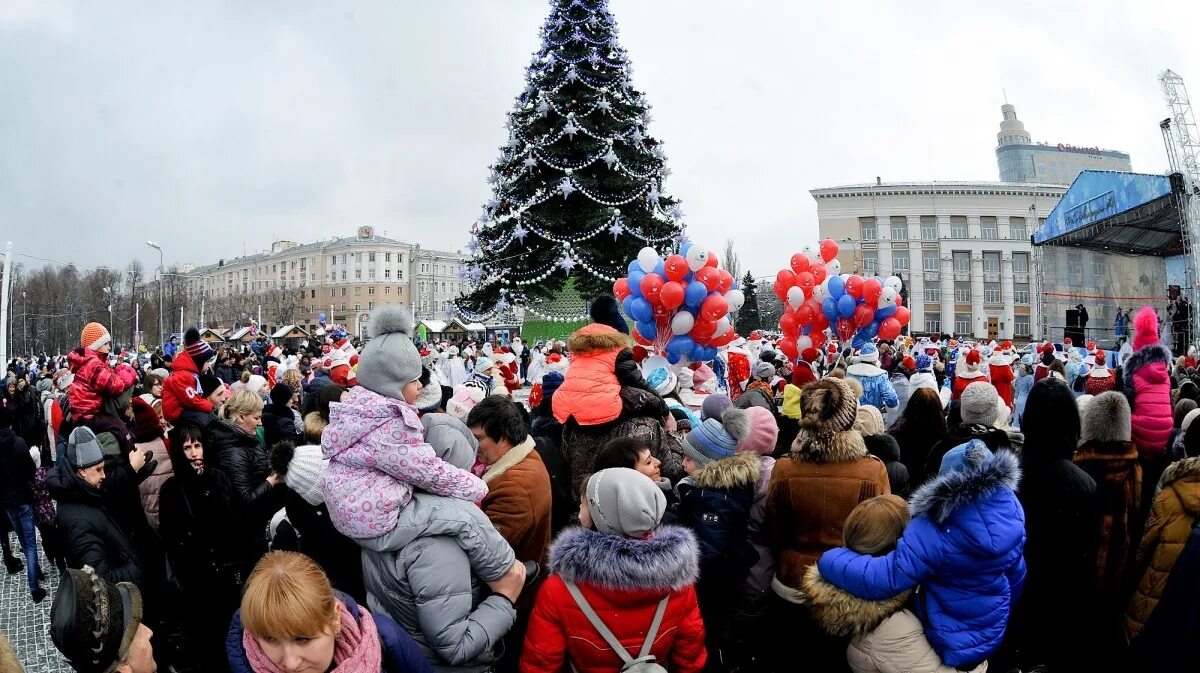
(304, 474)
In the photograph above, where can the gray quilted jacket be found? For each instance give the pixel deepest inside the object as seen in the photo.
(430, 575)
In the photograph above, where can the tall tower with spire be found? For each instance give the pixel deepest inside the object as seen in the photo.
(1021, 160)
(1012, 130)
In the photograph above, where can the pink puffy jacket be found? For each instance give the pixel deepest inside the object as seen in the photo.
(1148, 387)
(377, 456)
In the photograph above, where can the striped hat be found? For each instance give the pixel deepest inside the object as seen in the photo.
(709, 442)
(197, 348)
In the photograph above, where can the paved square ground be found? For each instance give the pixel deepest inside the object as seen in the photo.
(26, 624)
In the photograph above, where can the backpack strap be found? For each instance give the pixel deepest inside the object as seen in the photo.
(608, 636)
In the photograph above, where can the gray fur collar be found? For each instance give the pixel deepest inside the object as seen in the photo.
(669, 559)
(944, 494)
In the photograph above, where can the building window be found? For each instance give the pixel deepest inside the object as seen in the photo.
(370, 306)
(929, 228)
(399, 258)
(958, 227)
(343, 258)
(866, 228)
(899, 228)
(343, 274)
(371, 290)
(1075, 267)
(387, 289)
(933, 294)
(343, 308)
(899, 260)
(358, 307)
(399, 274)
(387, 274)
(1020, 262)
(962, 323)
(962, 261)
(991, 261)
(387, 256)
(870, 261)
(332, 292)
(370, 257)
(422, 286)
(358, 257)
(933, 324)
(1021, 325)
(988, 229)
(443, 286)
(991, 293)
(314, 294)
(962, 291)
(358, 274)
(343, 292)
(371, 274)
(333, 259)
(930, 261)
(424, 268)
(1021, 294)
(358, 291)
(1017, 230)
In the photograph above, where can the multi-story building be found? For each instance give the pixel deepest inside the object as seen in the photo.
(961, 248)
(1021, 160)
(435, 282)
(344, 278)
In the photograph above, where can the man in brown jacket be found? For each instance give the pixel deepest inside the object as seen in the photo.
(518, 500)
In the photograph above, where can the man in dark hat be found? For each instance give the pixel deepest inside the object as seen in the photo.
(97, 625)
(16, 472)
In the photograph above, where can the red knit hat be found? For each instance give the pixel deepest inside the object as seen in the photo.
(803, 374)
(909, 363)
(146, 426)
(1100, 358)
(973, 357)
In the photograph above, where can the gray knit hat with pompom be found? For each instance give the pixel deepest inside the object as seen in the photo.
(390, 360)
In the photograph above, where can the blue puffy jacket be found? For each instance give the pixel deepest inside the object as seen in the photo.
(400, 653)
(964, 549)
(877, 389)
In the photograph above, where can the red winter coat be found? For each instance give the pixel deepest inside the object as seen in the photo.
(623, 580)
(94, 382)
(1099, 384)
(1148, 388)
(961, 381)
(181, 390)
(1002, 379)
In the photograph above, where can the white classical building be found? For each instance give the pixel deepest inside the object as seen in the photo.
(962, 249)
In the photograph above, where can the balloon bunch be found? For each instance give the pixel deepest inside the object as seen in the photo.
(817, 295)
(681, 304)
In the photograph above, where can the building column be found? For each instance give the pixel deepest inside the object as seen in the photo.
(914, 280)
(947, 280)
(978, 317)
(883, 253)
(1006, 295)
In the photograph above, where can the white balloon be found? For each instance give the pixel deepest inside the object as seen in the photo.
(723, 326)
(735, 299)
(697, 257)
(833, 268)
(894, 282)
(682, 323)
(821, 291)
(803, 341)
(887, 297)
(795, 297)
(647, 259)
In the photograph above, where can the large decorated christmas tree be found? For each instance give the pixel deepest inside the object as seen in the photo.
(578, 188)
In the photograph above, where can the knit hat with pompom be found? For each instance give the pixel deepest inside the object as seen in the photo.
(1145, 328)
(94, 336)
(390, 360)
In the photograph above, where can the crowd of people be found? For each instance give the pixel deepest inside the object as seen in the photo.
(912, 505)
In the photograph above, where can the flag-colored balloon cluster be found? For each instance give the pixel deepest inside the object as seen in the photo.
(681, 304)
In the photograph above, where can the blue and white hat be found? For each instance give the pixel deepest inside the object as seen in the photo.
(924, 363)
(868, 353)
(709, 442)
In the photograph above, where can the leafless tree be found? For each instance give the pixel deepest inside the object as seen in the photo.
(730, 260)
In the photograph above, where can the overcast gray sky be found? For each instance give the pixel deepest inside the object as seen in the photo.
(214, 127)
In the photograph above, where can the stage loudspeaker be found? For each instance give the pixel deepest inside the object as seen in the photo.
(1073, 329)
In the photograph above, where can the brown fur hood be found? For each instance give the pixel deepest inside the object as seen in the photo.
(843, 614)
(596, 338)
(739, 470)
(828, 447)
(1181, 469)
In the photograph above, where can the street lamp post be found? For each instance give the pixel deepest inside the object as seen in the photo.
(161, 270)
(24, 324)
(108, 294)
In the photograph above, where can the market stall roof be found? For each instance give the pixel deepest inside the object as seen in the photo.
(476, 327)
(290, 332)
(435, 326)
(1127, 213)
(238, 334)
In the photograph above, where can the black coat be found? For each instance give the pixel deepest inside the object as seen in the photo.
(244, 465)
(884, 447)
(995, 439)
(915, 446)
(16, 470)
(280, 425)
(339, 556)
(92, 533)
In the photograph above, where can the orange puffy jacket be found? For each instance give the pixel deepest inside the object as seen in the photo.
(590, 390)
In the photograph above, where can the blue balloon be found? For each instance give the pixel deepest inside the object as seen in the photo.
(689, 277)
(845, 306)
(674, 358)
(634, 266)
(885, 312)
(635, 282)
(627, 304)
(695, 293)
(647, 329)
(829, 306)
(321, 317)
(642, 310)
(680, 344)
(661, 269)
(870, 330)
(683, 250)
(837, 287)
(697, 353)
(709, 353)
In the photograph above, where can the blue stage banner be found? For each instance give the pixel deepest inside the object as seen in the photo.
(1098, 195)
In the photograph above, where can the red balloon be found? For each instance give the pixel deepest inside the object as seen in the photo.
(726, 283)
(819, 323)
(800, 262)
(889, 328)
(854, 286)
(871, 290)
(724, 339)
(714, 307)
(902, 315)
(863, 315)
(621, 289)
(804, 315)
(637, 336)
(676, 267)
(710, 277)
(818, 273)
(788, 346)
(652, 284)
(660, 311)
(712, 260)
(829, 250)
(781, 290)
(845, 329)
(787, 325)
(671, 294)
(818, 337)
(899, 300)
(806, 281)
(787, 279)
(703, 330)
